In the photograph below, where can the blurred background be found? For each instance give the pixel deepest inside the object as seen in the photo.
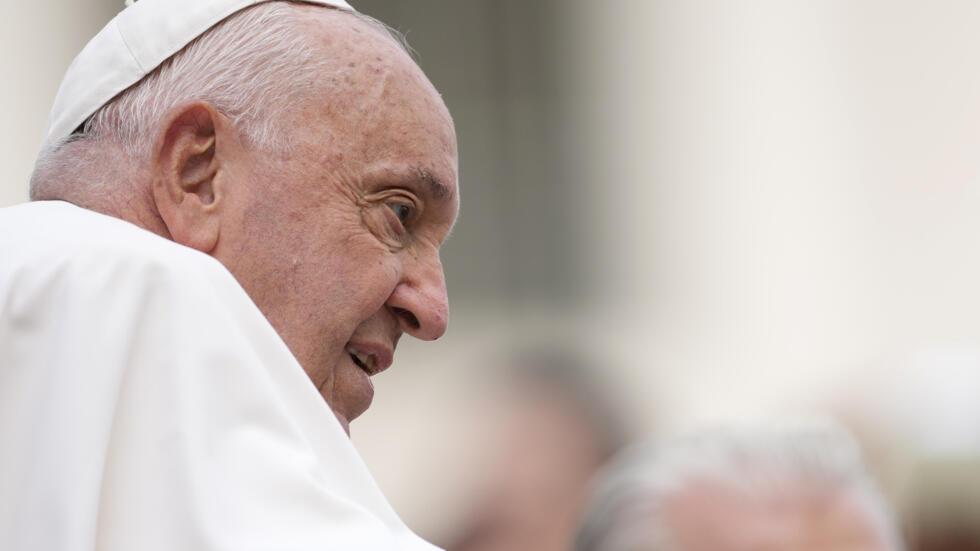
(675, 215)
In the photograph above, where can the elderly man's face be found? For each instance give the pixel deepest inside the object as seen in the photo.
(338, 242)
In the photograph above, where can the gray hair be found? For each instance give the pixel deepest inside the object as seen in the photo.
(253, 67)
(628, 507)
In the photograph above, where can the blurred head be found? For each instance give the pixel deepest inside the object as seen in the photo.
(304, 149)
(792, 491)
(552, 425)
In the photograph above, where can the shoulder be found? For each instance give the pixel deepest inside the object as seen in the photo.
(53, 238)
(96, 283)
(59, 258)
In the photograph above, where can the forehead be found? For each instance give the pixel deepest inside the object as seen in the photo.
(372, 106)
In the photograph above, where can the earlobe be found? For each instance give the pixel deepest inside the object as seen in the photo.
(186, 166)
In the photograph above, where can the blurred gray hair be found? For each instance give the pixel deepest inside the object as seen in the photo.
(253, 67)
(628, 506)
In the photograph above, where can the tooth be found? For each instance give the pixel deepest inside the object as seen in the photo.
(367, 360)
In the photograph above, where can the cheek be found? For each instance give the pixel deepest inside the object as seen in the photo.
(372, 281)
(339, 272)
(358, 277)
(330, 298)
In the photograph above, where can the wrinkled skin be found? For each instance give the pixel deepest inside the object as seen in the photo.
(338, 242)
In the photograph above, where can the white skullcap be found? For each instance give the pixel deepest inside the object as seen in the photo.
(131, 46)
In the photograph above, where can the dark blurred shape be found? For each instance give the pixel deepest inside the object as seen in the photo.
(946, 536)
(788, 489)
(555, 427)
(944, 510)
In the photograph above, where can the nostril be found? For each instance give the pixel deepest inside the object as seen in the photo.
(409, 317)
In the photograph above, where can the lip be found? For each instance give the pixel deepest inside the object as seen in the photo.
(380, 353)
(357, 395)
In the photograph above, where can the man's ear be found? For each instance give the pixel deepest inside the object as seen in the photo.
(186, 164)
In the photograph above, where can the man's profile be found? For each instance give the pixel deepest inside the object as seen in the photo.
(237, 214)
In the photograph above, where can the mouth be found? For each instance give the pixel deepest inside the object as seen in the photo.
(353, 389)
(364, 361)
(371, 358)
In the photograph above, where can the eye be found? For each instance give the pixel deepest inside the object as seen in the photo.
(403, 211)
(391, 215)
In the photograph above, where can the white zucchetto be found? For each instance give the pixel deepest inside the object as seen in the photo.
(131, 46)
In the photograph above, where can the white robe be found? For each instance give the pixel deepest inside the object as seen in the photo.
(146, 404)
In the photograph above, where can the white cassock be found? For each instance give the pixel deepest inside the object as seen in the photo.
(146, 404)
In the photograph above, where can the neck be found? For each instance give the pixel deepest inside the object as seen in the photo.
(110, 183)
(136, 210)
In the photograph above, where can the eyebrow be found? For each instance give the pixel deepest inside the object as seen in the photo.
(437, 187)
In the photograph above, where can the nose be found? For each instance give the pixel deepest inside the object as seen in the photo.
(420, 301)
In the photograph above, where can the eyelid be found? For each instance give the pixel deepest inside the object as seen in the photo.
(399, 195)
(383, 221)
(393, 192)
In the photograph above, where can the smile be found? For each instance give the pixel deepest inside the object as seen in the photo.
(365, 361)
(371, 356)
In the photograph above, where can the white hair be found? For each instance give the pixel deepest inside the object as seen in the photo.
(628, 508)
(253, 67)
